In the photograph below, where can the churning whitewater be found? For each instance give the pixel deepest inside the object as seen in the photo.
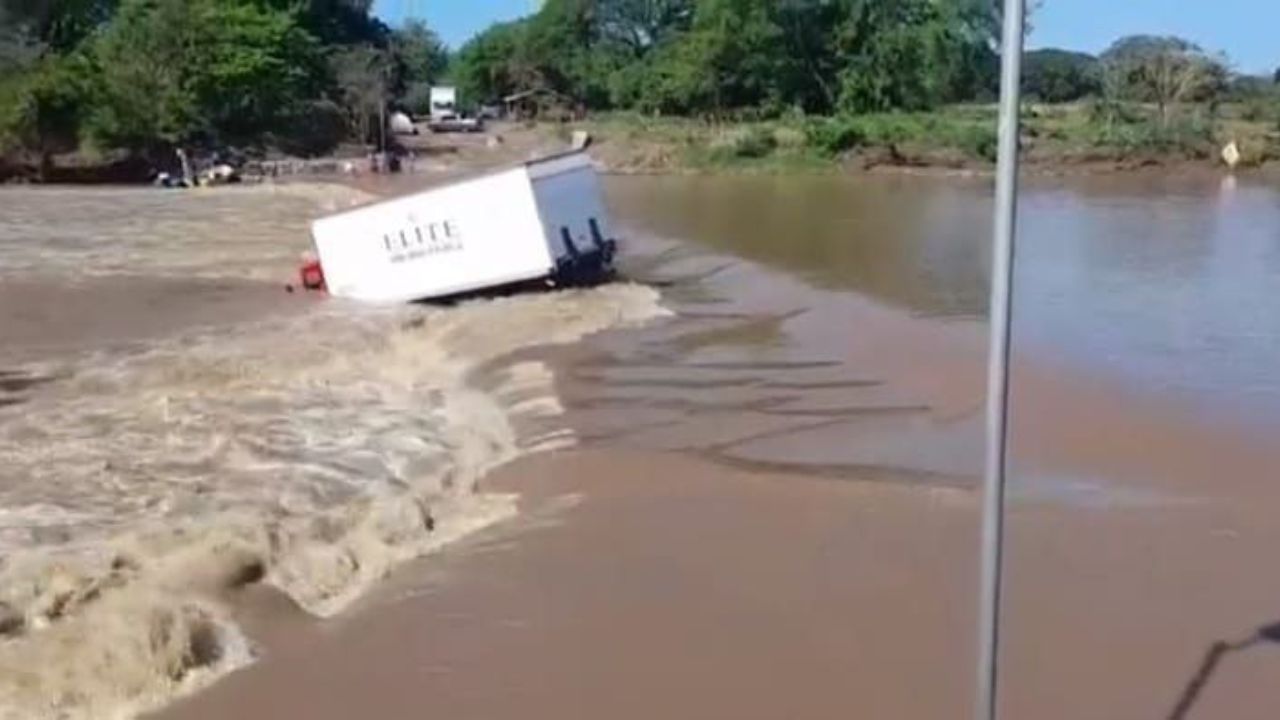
(313, 449)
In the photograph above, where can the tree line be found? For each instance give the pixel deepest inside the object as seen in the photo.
(766, 57)
(741, 57)
(146, 76)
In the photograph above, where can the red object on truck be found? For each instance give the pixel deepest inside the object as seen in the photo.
(312, 275)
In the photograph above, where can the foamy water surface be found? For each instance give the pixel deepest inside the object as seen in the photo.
(313, 449)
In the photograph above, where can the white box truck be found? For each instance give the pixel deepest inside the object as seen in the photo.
(444, 102)
(542, 220)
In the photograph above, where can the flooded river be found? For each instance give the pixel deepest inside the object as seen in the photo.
(1166, 282)
(174, 425)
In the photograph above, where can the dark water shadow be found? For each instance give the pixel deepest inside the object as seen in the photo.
(689, 279)
(524, 287)
(14, 385)
(15, 381)
(1213, 657)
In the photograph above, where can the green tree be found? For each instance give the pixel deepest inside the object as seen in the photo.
(57, 24)
(1166, 71)
(1251, 87)
(147, 75)
(337, 22)
(562, 50)
(492, 65)
(42, 109)
(1058, 76)
(19, 49)
(252, 66)
(679, 79)
(812, 63)
(731, 59)
(143, 100)
(418, 60)
(419, 54)
(363, 76)
(186, 71)
(642, 25)
(907, 54)
(42, 92)
(592, 51)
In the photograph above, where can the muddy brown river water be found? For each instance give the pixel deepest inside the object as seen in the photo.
(779, 418)
(1164, 281)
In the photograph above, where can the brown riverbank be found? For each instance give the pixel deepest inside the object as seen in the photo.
(1058, 141)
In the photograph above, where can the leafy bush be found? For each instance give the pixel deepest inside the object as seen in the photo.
(789, 137)
(970, 132)
(756, 142)
(978, 140)
(1260, 109)
(176, 71)
(833, 136)
(1190, 137)
(733, 146)
(41, 107)
(1057, 76)
(313, 128)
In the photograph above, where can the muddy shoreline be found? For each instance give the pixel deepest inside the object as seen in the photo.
(442, 156)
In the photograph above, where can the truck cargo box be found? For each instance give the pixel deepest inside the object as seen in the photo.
(540, 220)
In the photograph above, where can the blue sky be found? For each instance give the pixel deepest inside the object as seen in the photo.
(1247, 30)
(455, 20)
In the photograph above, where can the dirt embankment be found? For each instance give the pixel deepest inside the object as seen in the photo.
(630, 154)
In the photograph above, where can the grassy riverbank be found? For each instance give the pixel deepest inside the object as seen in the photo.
(1057, 139)
(963, 137)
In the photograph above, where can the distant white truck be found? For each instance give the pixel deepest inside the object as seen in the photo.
(444, 103)
(445, 117)
(543, 220)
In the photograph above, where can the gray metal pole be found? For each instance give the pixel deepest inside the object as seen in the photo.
(998, 363)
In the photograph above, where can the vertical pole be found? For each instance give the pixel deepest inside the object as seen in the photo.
(382, 114)
(993, 504)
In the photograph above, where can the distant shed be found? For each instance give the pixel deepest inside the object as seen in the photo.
(542, 104)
